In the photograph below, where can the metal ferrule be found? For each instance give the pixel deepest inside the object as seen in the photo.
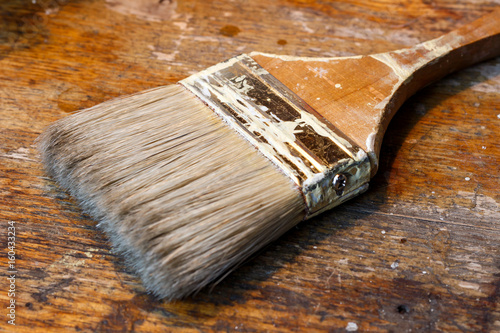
(324, 163)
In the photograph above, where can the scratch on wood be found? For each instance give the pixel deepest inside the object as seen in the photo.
(481, 204)
(41, 296)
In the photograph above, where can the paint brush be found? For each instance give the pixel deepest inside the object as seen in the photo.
(189, 180)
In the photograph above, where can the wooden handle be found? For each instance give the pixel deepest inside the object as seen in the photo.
(360, 95)
(463, 47)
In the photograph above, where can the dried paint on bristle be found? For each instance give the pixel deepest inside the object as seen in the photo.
(183, 197)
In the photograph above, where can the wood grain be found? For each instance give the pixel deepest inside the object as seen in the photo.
(418, 252)
(360, 95)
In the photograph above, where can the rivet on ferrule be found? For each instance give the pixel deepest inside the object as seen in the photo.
(339, 183)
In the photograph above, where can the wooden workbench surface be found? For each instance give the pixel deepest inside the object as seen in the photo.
(419, 252)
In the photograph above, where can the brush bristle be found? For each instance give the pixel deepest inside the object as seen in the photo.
(181, 195)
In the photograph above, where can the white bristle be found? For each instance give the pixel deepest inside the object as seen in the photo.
(182, 196)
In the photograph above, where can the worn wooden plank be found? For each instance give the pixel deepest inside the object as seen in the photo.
(419, 251)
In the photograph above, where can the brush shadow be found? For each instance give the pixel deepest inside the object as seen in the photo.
(411, 112)
(283, 252)
(262, 266)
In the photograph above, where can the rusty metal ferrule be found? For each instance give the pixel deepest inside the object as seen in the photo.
(326, 165)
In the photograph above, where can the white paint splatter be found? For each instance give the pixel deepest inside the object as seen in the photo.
(20, 154)
(370, 142)
(474, 266)
(306, 28)
(304, 59)
(164, 56)
(401, 71)
(469, 285)
(394, 265)
(467, 178)
(351, 327)
(180, 25)
(321, 72)
(298, 17)
(155, 11)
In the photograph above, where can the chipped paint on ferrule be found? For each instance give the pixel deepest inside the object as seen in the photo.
(303, 144)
